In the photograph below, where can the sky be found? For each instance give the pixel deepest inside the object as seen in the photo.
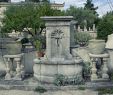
(103, 5)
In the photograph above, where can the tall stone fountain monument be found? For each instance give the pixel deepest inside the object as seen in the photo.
(58, 59)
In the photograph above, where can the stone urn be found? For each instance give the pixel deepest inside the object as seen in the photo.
(13, 47)
(96, 46)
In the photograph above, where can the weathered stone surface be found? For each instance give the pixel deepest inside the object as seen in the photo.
(66, 92)
(96, 46)
(109, 44)
(57, 36)
(46, 72)
(110, 61)
(72, 33)
(9, 61)
(2, 66)
(82, 52)
(27, 61)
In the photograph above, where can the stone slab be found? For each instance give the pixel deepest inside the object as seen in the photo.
(105, 55)
(67, 92)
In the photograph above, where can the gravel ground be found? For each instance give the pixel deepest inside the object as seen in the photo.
(20, 92)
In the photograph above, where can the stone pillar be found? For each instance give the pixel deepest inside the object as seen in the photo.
(105, 69)
(72, 32)
(85, 29)
(94, 27)
(79, 29)
(18, 68)
(8, 75)
(94, 69)
(22, 71)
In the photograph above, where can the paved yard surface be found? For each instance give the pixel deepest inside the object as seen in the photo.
(20, 92)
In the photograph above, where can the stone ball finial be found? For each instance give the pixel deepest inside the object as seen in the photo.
(109, 44)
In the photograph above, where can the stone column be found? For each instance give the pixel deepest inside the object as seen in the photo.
(8, 75)
(18, 69)
(94, 69)
(105, 69)
(22, 71)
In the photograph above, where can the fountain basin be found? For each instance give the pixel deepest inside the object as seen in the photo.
(46, 70)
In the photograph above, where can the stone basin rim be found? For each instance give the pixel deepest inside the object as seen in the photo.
(47, 62)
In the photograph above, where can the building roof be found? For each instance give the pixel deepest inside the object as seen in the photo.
(5, 4)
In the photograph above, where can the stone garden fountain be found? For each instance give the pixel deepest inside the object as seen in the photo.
(58, 59)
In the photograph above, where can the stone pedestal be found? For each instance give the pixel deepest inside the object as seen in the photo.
(57, 36)
(104, 68)
(10, 60)
(8, 75)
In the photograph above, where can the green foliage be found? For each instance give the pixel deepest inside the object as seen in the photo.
(61, 80)
(104, 91)
(83, 16)
(105, 26)
(4, 0)
(37, 1)
(33, 0)
(82, 38)
(19, 17)
(86, 70)
(27, 15)
(38, 45)
(40, 89)
(90, 6)
(24, 40)
(81, 88)
(110, 76)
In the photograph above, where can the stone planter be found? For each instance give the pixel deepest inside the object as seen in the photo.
(96, 46)
(13, 48)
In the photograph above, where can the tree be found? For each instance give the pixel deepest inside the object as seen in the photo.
(45, 1)
(83, 16)
(4, 0)
(27, 16)
(37, 1)
(90, 6)
(105, 26)
(32, 0)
